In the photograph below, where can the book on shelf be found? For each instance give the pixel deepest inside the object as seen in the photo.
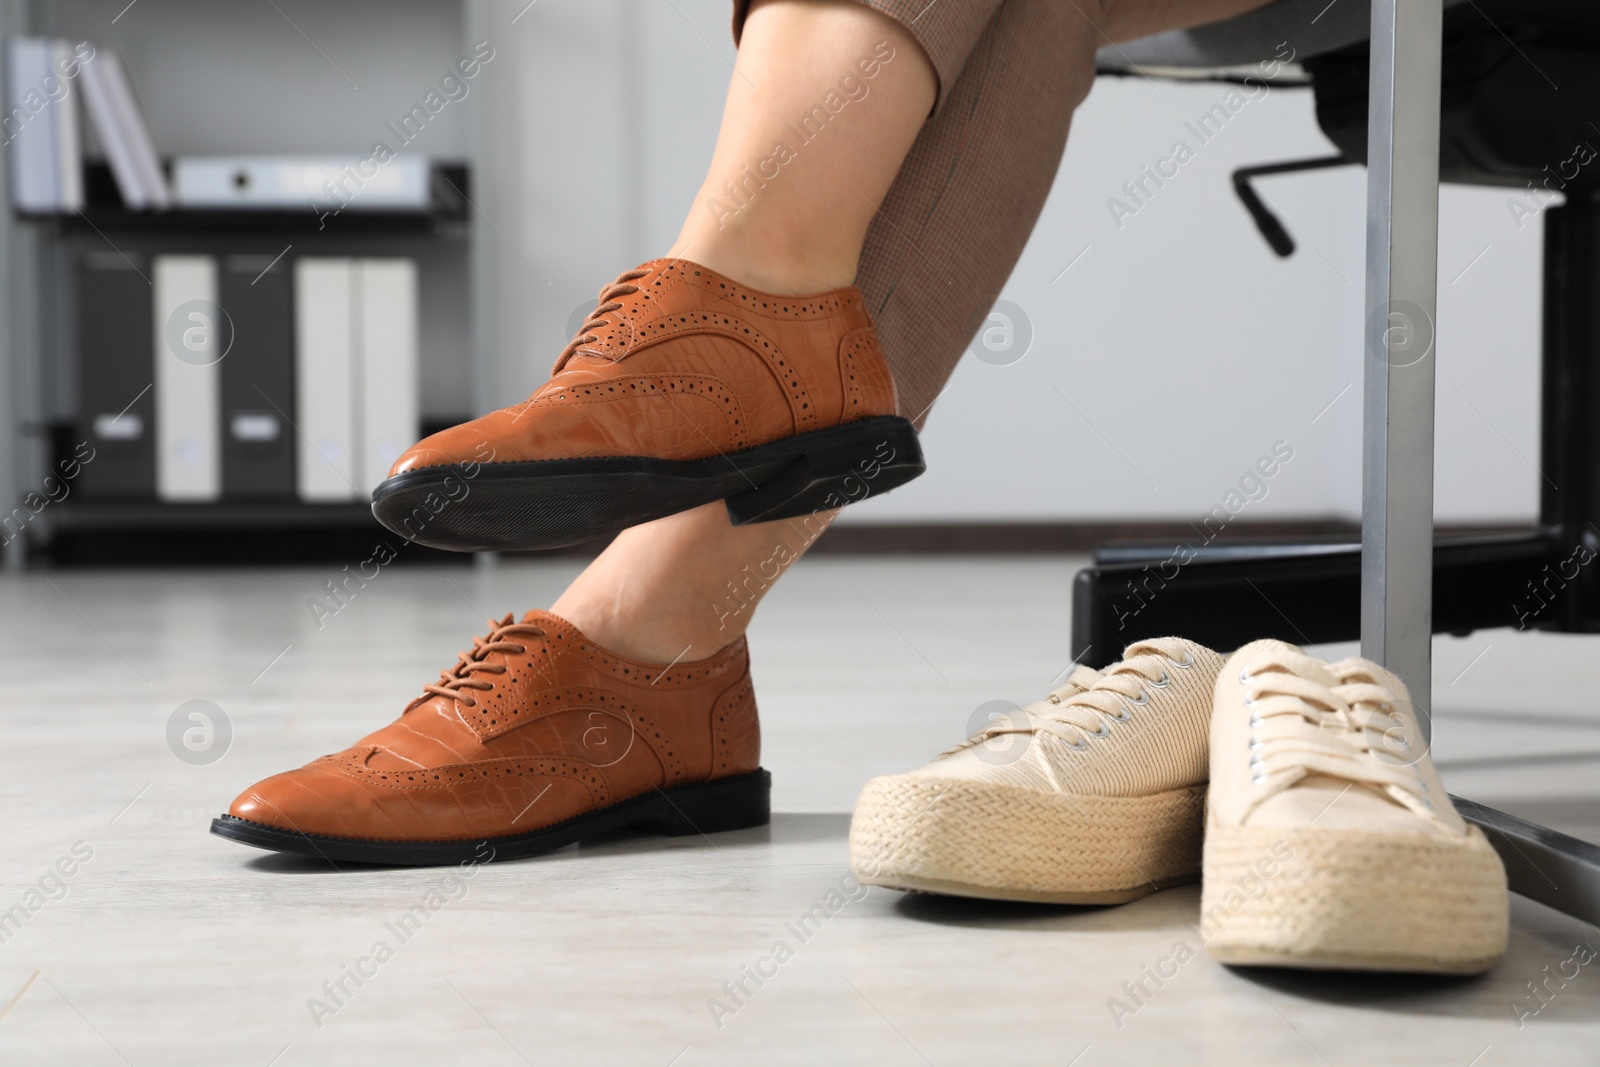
(120, 123)
(40, 127)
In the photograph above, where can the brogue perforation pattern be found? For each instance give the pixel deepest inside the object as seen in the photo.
(672, 764)
(795, 392)
(795, 309)
(641, 726)
(682, 384)
(453, 775)
(727, 721)
(677, 676)
(853, 399)
(616, 335)
(863, 374)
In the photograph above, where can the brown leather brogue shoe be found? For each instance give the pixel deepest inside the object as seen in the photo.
(683, 388)
(536, 738)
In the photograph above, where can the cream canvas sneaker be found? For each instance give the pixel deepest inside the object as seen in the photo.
(1093, 795)
(1330, 841)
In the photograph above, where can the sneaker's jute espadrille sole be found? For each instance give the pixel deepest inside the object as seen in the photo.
(1000, 842)
(1350, 900)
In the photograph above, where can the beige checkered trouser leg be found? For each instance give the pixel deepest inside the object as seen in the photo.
(1011, 73)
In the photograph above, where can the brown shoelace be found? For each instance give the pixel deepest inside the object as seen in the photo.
(623, 286)
(454, 681)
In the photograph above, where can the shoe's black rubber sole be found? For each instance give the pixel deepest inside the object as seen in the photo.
(552, 503)
(707, 807)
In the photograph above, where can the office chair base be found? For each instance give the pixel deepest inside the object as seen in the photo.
(1306, 593)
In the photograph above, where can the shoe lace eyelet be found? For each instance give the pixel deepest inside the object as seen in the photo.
(1077, 745)
(1244, 676)
(1144, 698)
(1185, 663)
(1124, 713)
(1102, 733)
(1162, 682)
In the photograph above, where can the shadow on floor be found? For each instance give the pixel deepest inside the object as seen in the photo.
(1542, 979)
(1171, 908)
(1418, 994)
(785, 829)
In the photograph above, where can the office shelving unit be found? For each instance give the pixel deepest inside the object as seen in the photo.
(277, 91)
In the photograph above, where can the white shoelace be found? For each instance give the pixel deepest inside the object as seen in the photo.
(1084, 708)
(1351, 732)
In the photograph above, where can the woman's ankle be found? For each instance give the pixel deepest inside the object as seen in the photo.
(683, 587)
(771, 265)
(648, 636)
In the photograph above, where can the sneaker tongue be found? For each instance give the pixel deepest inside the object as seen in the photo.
(1261, 654)
(1269, 646)
(1356, 669)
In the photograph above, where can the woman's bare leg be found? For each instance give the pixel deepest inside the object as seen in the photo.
(800, 231)
(687, 585)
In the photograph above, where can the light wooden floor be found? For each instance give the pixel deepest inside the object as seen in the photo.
(168, 946)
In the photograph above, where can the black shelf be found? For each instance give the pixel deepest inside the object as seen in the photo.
(222, 514)
(153, 533)
(82, 531)
(104, 211)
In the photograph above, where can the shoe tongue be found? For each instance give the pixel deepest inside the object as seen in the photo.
(1270, 646)
(540, 617)
(1356, 669)
(558, 632)
(1289, 657)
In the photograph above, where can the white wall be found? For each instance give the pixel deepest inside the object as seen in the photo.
(337, 73)
(1186, 345)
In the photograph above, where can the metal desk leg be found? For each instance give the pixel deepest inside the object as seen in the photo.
(1397, 442)
(1402, 271)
